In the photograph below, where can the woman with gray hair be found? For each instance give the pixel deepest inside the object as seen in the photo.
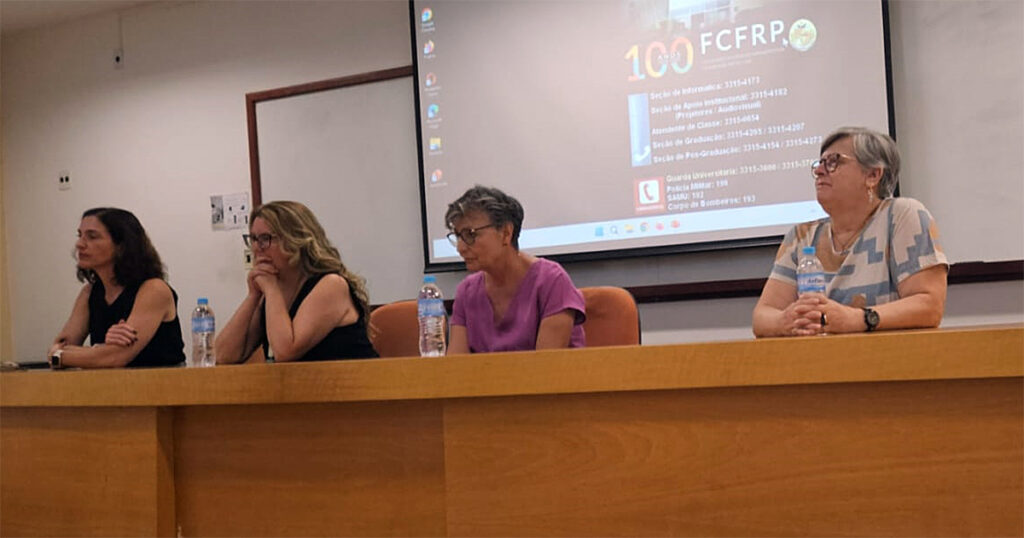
(512, 301)
(883, 265)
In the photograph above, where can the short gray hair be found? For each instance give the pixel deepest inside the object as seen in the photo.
(500, 207)
(872, 150)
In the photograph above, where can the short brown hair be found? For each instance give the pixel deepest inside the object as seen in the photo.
(500, 207)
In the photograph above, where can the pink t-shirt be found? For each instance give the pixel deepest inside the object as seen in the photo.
(545, 291)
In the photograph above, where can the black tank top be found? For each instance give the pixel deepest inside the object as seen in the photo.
(347, 342)
(165, 349)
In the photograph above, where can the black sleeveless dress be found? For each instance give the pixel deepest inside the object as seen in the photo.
(165, 349)
(347, 342)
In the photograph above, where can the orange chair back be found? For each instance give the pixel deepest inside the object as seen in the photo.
(612, 320)
(612, 317)
(394, 329)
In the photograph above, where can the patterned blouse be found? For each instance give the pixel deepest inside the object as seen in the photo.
(899, 240)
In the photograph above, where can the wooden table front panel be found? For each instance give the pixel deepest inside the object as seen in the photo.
(869, 459)
(346, 469)
(86, 472)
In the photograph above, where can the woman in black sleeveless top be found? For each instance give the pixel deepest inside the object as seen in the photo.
(126, 307)
(303, 303)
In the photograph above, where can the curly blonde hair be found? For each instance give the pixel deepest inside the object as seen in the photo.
(303, 239)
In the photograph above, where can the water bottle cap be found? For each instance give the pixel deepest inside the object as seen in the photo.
(202, 300)
(429, 279)
(808, 251)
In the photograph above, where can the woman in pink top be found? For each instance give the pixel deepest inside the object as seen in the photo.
(512, 301)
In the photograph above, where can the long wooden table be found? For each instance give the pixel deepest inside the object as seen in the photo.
(907, 433)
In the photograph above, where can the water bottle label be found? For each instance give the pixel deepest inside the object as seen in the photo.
(810, 283)
(202, 325)
(430, 307)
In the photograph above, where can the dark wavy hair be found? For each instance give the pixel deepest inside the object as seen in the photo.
(135, 259)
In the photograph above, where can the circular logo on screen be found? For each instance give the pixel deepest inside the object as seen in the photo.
(802, 35)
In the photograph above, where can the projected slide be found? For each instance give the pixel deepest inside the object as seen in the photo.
(623, 125)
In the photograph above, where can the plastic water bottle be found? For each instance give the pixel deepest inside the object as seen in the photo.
(203, 327)
(810, 276)
(430, 309)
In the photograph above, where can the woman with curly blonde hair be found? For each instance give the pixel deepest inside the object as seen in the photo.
(303, 303)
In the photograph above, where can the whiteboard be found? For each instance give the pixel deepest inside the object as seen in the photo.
(350, 155)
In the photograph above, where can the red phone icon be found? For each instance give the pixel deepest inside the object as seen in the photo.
(649, 192)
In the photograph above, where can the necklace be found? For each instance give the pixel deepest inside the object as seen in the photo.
(844, 246)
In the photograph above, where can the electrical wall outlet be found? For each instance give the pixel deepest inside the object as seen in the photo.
(64, 180)
(247, 256)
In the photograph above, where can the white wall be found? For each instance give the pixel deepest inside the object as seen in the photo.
(6, 346)
(168, 129)
(159, 135)
(959, 94)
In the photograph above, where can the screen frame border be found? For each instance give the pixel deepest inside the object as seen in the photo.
(627, 252)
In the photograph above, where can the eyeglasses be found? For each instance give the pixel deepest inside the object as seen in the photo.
(262, 240)
(468, 235)
(830, 162)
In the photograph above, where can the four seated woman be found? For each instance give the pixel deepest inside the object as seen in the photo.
(884, 270)
(126, 307)
(512, 301)
(303, 303)
(883, 265)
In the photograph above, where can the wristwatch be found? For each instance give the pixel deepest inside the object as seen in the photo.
(870, 319)
(55, 359)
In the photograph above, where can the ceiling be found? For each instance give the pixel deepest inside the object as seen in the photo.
(19, 15)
